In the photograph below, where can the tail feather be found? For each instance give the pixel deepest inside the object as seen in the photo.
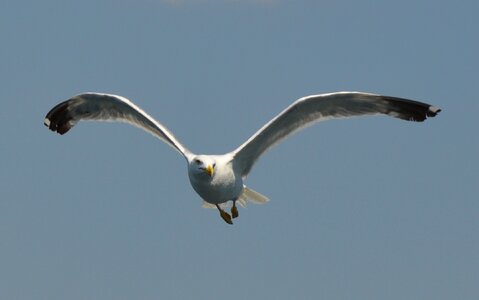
(248, 195)
(254, 196)
(242, 200)
(208, 205)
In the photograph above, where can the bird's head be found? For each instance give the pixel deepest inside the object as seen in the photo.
(202, 165)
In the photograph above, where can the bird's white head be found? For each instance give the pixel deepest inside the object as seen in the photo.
(202, 166)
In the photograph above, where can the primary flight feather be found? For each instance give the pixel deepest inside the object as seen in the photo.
(219, 178)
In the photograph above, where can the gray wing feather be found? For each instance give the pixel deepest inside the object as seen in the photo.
(308, 110)
(105, 107)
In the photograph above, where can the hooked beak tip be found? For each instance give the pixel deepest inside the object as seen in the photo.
(210, 170)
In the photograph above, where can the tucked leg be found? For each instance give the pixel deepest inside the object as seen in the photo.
(234, 210)
(224, 215)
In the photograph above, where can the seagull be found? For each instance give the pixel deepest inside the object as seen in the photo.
(218, 179)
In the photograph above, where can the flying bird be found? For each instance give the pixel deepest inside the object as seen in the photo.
(219, 179)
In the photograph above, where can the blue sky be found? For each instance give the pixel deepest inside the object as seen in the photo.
(367, 208)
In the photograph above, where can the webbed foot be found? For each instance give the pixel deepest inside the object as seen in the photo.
(226, 216)
(234, 212)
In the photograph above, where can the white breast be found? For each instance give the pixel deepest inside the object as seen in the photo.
(223, 186)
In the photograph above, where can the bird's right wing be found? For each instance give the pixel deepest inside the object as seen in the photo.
(106, 107)
(308, 110)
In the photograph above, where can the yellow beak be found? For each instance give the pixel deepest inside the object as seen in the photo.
(210, 170)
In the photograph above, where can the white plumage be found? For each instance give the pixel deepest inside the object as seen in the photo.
(219, 178)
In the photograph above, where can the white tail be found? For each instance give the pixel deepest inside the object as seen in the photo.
(248, 195)
(254, 196)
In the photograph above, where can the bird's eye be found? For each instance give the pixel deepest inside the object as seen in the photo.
(198, 161)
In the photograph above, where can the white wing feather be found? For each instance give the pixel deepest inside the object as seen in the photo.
(106, 107)
(308, 110)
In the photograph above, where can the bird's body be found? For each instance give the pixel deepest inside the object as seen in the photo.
(223, 186)
(219, 178)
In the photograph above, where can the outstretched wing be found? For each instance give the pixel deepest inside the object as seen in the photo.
(308, 110)
(105, 107)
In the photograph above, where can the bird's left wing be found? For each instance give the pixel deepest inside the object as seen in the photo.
(106, 107)
(308, 110)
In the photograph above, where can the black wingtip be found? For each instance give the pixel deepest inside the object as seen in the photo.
(433, 111)
(410, 110)
(58, 119)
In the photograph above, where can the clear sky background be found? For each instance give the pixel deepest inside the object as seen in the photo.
(367, 208)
